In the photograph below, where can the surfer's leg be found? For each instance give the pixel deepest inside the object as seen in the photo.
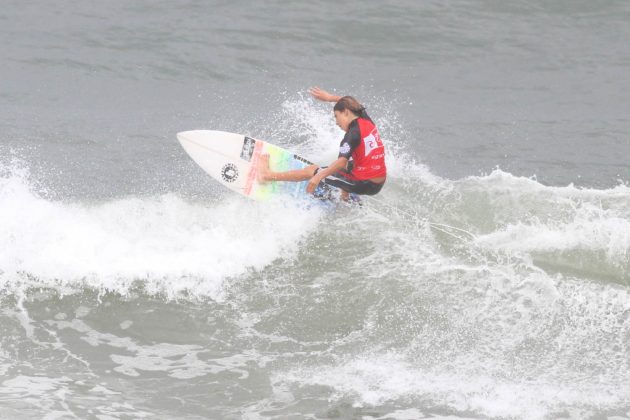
(350, 186)
(264, 174)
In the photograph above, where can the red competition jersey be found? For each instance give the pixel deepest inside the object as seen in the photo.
(363, 143)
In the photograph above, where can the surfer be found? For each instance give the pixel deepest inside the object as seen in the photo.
(360, 165)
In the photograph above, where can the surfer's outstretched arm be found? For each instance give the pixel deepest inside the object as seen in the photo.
(265, 174)
(322, 95)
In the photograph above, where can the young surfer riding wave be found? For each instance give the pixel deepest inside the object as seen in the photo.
(360, 165)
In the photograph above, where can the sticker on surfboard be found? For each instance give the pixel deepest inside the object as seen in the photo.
(248, 148)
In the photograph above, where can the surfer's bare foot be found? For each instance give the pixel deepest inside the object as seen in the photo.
(263, 173)
(345, 195)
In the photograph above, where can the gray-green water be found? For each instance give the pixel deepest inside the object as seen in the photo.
(133, 286)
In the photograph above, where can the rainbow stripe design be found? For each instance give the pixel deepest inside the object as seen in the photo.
(280, 160)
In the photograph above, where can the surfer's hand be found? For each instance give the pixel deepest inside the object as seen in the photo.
(313, 183)
(322, 95)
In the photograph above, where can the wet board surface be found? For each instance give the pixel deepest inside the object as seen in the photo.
(232, 160)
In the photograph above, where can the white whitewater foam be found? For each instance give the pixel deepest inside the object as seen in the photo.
(372, 380)
(169, 244)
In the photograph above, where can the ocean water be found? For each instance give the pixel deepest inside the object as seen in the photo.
(490, 279)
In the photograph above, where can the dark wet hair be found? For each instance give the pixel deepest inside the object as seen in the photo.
(348, 102)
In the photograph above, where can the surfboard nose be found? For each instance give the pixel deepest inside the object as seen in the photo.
(188, 135)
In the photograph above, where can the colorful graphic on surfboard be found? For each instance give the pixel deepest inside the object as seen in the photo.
(232, 159)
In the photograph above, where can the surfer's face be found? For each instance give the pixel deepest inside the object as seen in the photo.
(344, 118)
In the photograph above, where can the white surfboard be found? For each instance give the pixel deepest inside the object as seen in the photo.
(232, 160)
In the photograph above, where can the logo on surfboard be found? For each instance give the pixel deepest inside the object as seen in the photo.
(229, 172)
(248, 148)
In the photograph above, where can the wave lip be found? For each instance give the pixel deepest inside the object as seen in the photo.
(593, 243)
(567, 229)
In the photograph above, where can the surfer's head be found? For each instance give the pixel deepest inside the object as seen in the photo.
(346, 110)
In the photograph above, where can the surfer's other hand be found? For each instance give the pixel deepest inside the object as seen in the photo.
(322, 95)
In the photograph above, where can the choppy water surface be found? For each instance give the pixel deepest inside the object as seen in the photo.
(489, 279)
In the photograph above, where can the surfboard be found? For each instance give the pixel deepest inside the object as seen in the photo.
(232, 160)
